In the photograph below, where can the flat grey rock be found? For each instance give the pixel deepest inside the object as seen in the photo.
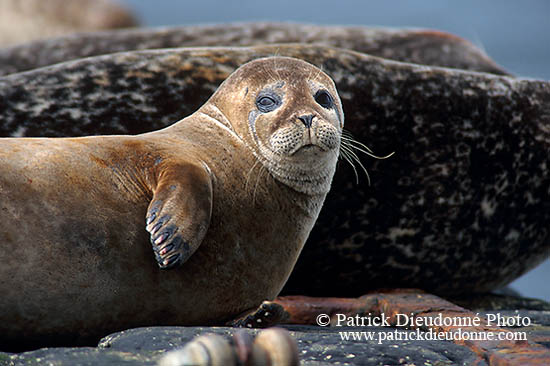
(317, 346)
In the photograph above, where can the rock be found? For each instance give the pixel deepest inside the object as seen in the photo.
(462, 206)
(77, 356)
(26, 20)
(496, 302)
(316, 345)
(144, 346)
(421, 46)
(417, 343)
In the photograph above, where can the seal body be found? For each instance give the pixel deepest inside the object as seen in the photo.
(225, 197)
(418, 46)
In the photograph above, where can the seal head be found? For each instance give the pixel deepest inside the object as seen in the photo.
(289, 114)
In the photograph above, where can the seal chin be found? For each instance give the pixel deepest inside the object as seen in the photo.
(308, 170)
(306, 167)
(306, 182)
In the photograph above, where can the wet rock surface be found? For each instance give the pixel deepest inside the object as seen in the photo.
(317, 346)
(358, 345)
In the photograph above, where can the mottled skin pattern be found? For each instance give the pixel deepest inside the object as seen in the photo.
(76, 259)
(462, 206)
(419, 46)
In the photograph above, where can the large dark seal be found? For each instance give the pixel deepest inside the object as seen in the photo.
(226, 197)
(419, 46)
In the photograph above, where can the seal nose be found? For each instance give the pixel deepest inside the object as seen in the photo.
(306, 120)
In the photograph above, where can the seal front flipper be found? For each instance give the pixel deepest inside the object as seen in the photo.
(179, 213)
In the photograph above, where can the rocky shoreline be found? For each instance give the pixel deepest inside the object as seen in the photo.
(317, 346)
(321, 345)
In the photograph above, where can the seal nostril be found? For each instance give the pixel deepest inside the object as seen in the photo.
(306, 120)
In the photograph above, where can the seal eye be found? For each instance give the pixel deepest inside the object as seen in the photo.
(266, 104)
(324, 99)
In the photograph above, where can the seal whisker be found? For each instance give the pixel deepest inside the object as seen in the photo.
(345, 156)
(249, 174)
(262, 169)
(275, 65)
(356, 145)
(319, 71)
(352, 155)
(270, 74)
(348, 136)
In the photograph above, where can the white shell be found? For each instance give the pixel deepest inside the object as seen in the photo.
(279, 346)
(206, 350)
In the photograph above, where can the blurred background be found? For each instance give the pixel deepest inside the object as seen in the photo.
(516, 34)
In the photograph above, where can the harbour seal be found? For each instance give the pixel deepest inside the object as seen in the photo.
(226, 196)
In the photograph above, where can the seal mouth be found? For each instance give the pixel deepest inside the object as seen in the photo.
(309, 148)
